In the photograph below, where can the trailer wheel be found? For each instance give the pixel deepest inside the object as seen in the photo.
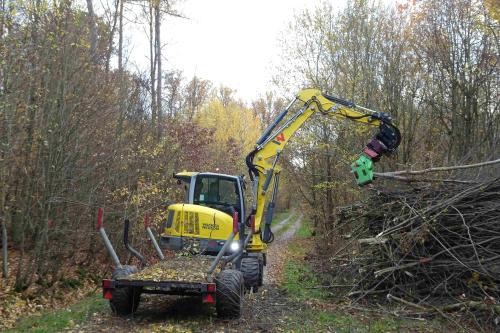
(125, 299)
(229, 293)
(252, 273)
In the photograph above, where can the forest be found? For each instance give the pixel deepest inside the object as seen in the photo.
(79, 129)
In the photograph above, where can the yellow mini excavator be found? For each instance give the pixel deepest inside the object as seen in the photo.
(215, 206)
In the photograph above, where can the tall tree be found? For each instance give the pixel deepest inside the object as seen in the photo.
(196, 93)
(235, 131)
(268, 107)
(158, 54)
(432, 66)
(173, 87)
(93, 32)
(459, 55)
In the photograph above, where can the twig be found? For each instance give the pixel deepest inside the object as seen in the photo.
(440, 241)
(373, 240)
(331, 286)
(393, 269)
(439, 169)
(472, 305)
(450, 307)
(400, 300)
(413, 180)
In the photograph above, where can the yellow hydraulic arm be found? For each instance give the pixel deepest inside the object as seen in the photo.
(262, 162)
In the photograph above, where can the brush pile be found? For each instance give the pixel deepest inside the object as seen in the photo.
(430, 246)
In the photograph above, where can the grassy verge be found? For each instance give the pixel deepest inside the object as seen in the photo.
(336, 321)
(55, 321)
(299, 280)
(301, 243)
(305, 229)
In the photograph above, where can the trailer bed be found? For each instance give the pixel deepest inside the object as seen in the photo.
(183, 275)
(190, 269)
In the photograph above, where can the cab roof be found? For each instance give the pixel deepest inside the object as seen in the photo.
(190, 174)
(185, 174)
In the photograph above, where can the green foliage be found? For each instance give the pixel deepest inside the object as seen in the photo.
(305, 229)
(300, 281)
(315, 321)
(56, 321)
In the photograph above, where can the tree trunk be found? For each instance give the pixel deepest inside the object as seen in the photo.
(4, 250)
(152, 57)
(93, 32)
(120, 39)
(2, 167)
(158, 62)
(122, 105)
(111, 36)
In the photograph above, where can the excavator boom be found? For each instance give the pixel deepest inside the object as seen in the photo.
(263, 165)
(212, 200)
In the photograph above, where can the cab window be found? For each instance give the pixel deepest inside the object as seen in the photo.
(217, 192)
(185, 183)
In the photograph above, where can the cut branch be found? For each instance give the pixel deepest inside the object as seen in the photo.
(437, 169)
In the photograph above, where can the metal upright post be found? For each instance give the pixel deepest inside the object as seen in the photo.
(152, 238)
(105, 238)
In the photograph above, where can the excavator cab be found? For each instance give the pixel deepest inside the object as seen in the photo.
(206, 216)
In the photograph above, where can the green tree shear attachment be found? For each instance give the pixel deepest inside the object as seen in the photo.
(363, 170)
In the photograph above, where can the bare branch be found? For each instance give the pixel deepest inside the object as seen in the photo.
(437, 169)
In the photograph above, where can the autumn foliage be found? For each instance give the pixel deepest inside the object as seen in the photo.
(76, 133)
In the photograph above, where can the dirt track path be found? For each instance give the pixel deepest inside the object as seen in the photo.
(276, 254)
(264, 311)
(290, 232)
(281, 224)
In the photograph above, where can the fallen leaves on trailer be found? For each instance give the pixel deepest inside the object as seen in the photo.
(192, 269)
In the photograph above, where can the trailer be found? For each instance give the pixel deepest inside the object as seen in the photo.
(216, 279)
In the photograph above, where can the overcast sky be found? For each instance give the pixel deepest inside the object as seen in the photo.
(229, 42)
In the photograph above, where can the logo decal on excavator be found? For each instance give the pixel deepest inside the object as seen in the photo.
(279, 138)
(210, 226)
